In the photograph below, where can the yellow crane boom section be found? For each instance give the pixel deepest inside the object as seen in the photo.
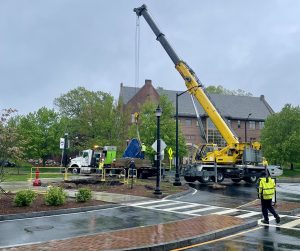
(193, 87)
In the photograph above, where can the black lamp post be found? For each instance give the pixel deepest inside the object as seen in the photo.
(246, 127)
(177, 178)
(65, 153)
(158, 114)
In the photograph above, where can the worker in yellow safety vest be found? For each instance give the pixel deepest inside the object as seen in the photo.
(143, 150)
(266, 192)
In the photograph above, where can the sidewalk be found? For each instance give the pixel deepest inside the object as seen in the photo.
(156, 237)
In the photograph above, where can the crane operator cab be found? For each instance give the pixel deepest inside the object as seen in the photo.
(204, 150)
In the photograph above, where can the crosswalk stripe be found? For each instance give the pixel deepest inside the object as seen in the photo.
(291, 223)
(226, 211)
(165, 204)
(180, 207)
(147, 202)
(201, 209)
(248, 215)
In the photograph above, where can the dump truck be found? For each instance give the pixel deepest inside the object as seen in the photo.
(133, 152)
(237, 160)
(88, 160)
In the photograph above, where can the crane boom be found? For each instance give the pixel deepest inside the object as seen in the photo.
(192, 82)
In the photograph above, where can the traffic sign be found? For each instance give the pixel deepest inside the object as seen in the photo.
(61, 143)
(162, 145)
(170, 152)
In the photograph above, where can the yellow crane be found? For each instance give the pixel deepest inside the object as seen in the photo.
(234, 153)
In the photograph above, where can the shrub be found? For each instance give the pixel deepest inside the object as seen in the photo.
(55, 196)
(24, 198)
(83, 195)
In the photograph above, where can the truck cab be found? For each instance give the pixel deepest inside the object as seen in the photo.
(88, 160)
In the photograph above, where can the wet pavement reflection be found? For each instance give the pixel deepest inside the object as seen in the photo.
(263, 238)
(64, 226)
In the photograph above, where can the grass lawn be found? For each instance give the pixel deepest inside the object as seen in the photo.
(291, 173)
(24, 173)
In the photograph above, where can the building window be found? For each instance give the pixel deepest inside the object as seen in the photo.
(213, 136)
(210, 124)
(251, 124)
(190, 137)
(261, 124)
(239, 124)
(188, 122)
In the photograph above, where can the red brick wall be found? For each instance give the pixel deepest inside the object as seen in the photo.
(145, 94)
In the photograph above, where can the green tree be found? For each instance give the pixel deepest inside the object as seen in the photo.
(95, 119)
(221, 90)
(148, 126)
(280, 136)
(41, 132)
(10, 148)
(9, 137)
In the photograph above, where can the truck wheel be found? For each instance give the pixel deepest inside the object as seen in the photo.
(204, 179)
(252, 179)
(220, 177)
(190, 179)
(75, 170)
(236, 180)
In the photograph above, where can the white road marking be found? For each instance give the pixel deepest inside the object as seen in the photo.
(194, 191)
(180, 207)
(291, 224)
(201, 209)
(166, 204)
(226, 211)
(147, 202)
(248, 215)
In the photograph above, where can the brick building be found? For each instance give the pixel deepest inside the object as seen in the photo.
(237, 111)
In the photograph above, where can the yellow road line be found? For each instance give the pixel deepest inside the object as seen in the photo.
(216, 240)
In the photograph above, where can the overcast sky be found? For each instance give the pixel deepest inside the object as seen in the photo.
(49, 47)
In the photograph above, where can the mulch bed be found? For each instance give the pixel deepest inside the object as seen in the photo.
(7, 205)
(146, 190)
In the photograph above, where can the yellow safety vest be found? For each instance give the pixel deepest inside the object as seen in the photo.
(143, 148)
(266, 189)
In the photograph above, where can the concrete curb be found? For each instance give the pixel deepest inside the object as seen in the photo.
(196, 239)
(54, 212)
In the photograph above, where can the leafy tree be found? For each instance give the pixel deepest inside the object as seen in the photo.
(9, 140)
(221, 90)
(280, 137)
(148, 126)
(9, 147)
(95, 119)
(41, 131)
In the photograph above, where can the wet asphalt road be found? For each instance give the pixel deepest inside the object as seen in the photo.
(233, 195)
(259, 238)
(41, 229)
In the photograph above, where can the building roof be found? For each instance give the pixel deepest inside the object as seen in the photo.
(229, 106)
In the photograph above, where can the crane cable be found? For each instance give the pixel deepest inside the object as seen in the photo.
(137, 52)
(137, 68)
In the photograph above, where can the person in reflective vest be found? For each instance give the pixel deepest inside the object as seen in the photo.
(266, 191)
(143, 150)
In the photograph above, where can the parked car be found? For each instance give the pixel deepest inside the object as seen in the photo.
(7, 163)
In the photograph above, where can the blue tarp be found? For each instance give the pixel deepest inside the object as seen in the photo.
(133, 150)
